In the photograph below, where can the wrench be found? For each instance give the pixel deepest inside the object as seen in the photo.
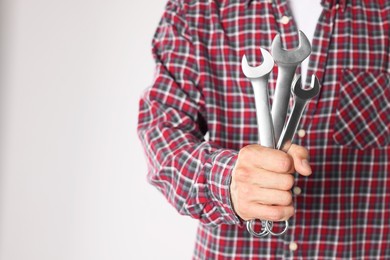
(287, 61)
(259, 79)
(302, 97)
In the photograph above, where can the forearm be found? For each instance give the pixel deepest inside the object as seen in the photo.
(194, 175)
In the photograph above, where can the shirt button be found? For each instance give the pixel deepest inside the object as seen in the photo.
(301, 133)
(293, 246)
(297, 190)
(285, 20)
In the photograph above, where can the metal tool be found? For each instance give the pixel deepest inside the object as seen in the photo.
(287, 61)
(302, 97)
(259, 79)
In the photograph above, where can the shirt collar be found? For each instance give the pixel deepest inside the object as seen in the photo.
(325, 3)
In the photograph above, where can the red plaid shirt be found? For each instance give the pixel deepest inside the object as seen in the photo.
(343, 208)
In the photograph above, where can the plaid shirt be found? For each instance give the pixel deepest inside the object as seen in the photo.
(343, 208)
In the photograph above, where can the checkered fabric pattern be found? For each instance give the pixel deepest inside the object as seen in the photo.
(343, 211)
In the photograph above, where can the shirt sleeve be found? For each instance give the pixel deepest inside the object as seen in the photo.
(193, 174)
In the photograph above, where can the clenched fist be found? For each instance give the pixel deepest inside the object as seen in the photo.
(262, 179)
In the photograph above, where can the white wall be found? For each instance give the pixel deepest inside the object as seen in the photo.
(72, 171)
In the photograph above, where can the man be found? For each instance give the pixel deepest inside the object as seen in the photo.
(340, 204)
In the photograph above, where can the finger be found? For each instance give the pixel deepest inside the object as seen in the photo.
(300, 157)
(271, 213)
(268, 158)
(272, 180)
(271, 197)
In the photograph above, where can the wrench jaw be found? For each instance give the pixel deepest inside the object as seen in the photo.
(258, 71)
(306, 93)
(293, 57)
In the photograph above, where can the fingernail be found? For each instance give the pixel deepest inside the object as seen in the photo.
(306, 165)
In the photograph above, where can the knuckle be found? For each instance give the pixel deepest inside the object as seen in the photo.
(245, 191)
(276, 214)
(249, 151)
(241, 196)
(242, 174)
(245, 217)
(288, 182)
(300, 150)
(285, 163)
(243, 211)
(290, 212)
(245, 151)
(287, 198)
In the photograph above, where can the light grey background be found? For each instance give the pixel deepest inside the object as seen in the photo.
(72, 171)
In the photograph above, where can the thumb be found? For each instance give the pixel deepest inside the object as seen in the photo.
(300, 156)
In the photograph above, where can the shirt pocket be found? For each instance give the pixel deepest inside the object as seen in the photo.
(363, 113)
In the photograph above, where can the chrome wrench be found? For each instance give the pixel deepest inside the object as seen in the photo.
(259, 78)
(302, 97)
(287, 61)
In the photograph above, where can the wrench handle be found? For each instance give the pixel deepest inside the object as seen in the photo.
(282, 97)
(288, 133)
(264, 119)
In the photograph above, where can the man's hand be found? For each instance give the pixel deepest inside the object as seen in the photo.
(262, 180)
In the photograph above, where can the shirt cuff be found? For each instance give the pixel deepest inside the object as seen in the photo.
(219, 180)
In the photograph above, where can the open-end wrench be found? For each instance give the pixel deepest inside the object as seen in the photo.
(302, 97)
(287, 61)
(259, 79)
